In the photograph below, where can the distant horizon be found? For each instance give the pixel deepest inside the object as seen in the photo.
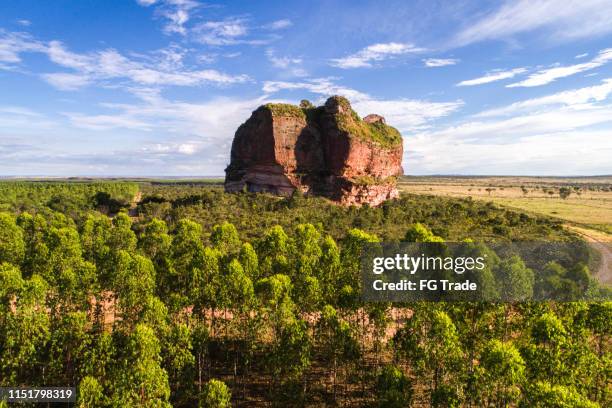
(188, 177)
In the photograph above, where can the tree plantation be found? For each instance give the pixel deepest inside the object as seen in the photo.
(197, 298)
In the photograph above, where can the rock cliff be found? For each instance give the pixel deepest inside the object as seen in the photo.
(326, 150)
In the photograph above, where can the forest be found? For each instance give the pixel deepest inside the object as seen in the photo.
(190, 297)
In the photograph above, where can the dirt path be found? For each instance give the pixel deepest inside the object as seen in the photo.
(602, 242)
(133, 210)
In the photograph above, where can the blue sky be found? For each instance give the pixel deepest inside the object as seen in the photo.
(158, 87)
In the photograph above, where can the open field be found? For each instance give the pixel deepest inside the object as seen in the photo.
(589, 204)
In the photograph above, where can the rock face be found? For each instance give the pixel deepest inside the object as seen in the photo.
(326, 150)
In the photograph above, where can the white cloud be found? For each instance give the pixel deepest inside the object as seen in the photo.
(576, 98)
(13, 44)
(67, 82)
(583, 55)
(374, 53)
(566, 133)
(24, 23)
(176, 12)
(278, 24)
(106, 122)
(293, 66)
(226, 32)
(492, 77)
(320, 86)
(549, 75)
(405, 114)
(161, 68)
(439, 62)
(562, 20)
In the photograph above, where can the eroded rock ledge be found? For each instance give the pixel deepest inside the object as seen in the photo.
(327, 150)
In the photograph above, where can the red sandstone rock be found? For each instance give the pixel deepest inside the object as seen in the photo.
(324, 151)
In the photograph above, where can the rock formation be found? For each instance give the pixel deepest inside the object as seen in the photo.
(327, 151)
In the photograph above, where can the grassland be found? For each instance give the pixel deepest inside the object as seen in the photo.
(589, 204)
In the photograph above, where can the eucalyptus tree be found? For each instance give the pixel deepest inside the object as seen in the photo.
(393, 388)
(502, 375)
(337, 342)
(12, 245)
(215, 395)
(140, 381)
(431, 342)
(224, 237)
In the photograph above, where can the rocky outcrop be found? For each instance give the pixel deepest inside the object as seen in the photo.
(326, 150)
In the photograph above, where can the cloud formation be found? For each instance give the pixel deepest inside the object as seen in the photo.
(439, 62)
(528, 137)
(560, 20)
(546, 76)
(492, 77)
(374, 53)
(176, 13)
(162, 68)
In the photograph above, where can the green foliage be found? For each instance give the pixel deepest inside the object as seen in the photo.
(215, 395)
(91, 393)
(264, 294)
(225, 238)
(503, 372)
(285, 109)
(12, 246)
(140, 380)
(393, 388)
(420, 233)
(71, 198)
(545, 395)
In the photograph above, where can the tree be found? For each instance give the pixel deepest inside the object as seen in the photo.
(274, 294)
(337, 341)
(155, 241)
(11, 285)
(240, 287)
(544, 395)
(134, 284)
(291, 355)
(272, 250)
(24, 335)
(306, 104)
(328, 270)
(503, 373)
(225, 238)
(36, 251)
(178, 360)
(430, 339)
(122, 237)
(12, 246)
(215, 395)
(69, 342)
(249, 261)
(393, 388)
(95, 239)
(546, 353)
(565, 192)
(91, 393)
(420, 233)
(140, 380)
(187, 253)
(515, 280)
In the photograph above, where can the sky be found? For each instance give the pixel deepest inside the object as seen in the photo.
(158, 87)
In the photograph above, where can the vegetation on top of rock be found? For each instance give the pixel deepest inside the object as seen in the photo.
(285, 109)
(348, 120)
(378, 132)
(306, 104)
